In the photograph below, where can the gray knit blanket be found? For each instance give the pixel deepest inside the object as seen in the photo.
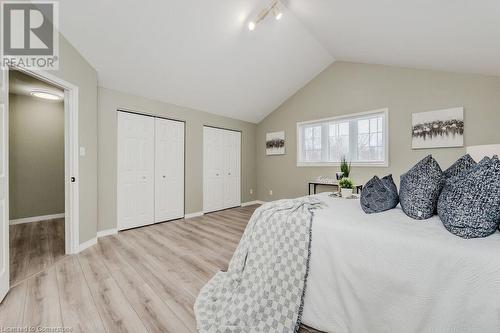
(264, 286)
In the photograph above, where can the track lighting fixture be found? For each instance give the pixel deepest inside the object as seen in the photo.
(274, 7)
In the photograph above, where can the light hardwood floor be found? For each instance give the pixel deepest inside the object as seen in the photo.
(34, 247)
(141, 280)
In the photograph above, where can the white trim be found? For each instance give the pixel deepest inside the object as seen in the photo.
(251, 203)
(93, 241)
(191, 215)
(358, 115)
(107, 232)
(336, 164)
(344, 116)
(4, 228)
(37, 218)
(71, 152)
(87, 244)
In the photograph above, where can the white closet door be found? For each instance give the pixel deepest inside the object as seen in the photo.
(222, 169)
(232, 180)
(169, 170)
(136, 160)
(213, 169)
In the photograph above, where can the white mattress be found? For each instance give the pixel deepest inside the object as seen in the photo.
(389, 273)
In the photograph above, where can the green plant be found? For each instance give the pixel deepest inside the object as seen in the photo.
(346, 183)
(345, 167)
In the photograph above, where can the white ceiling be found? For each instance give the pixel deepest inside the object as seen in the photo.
(199, 53)
(195, 53)
(450, 35)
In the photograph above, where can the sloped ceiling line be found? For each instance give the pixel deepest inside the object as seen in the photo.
(201, 55)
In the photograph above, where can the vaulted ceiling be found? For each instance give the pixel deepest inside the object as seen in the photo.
(200, 54)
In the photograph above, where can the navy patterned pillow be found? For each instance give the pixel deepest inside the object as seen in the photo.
(379, 195)
(470, 207)
(420, 189)
(460, 167)
(465, 174)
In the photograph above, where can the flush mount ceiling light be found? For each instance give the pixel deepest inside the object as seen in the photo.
(45, 95)
(274, 8)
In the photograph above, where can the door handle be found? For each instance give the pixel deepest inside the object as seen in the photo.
(164, 176)
(73, 179)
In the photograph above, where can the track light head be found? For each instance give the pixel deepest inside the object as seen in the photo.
(274, 8)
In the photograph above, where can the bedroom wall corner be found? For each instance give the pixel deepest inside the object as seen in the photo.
(346, 88)
(111, 100)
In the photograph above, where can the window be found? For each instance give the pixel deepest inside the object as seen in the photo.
(361, 138)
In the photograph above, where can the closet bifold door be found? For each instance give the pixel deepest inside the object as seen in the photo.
(213, 169)
(135, 183)
(232, 179)
(221, 169)
(169, 170)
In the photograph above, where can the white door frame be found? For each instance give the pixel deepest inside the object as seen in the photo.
(71, 157)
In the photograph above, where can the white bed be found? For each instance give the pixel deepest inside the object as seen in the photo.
(389, 273)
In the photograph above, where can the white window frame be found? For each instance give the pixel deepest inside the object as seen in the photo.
(384, 163)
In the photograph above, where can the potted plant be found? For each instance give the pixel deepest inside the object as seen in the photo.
(346, 187)
(345, 167)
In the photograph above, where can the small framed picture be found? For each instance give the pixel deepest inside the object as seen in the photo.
(275, 143)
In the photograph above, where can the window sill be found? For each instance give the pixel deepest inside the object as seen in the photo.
(383, 164)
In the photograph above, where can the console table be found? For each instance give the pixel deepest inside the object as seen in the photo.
(316, 183)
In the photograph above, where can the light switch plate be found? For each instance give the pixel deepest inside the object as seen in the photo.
(82, 151)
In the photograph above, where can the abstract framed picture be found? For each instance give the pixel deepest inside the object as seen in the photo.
(438, 129)
(275, 143)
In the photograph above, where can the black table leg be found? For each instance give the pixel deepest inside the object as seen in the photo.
(359, 188)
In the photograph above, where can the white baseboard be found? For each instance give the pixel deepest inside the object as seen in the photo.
(191, 215)
(87, 244)
(250, 203)
(93, 241)
(255, 202)
(37, 218)
(107, 232)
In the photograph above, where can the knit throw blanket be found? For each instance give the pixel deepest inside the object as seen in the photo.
(264, 286)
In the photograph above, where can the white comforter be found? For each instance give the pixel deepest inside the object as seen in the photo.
(388, 273)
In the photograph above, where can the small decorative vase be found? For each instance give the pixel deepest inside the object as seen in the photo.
(346, 192)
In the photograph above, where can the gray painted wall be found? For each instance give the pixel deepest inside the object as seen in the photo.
(345, 88)
(75, 69)
(110, 101)
(36, 159)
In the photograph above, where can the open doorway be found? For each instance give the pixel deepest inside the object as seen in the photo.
(37, 175)
(71, 159)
